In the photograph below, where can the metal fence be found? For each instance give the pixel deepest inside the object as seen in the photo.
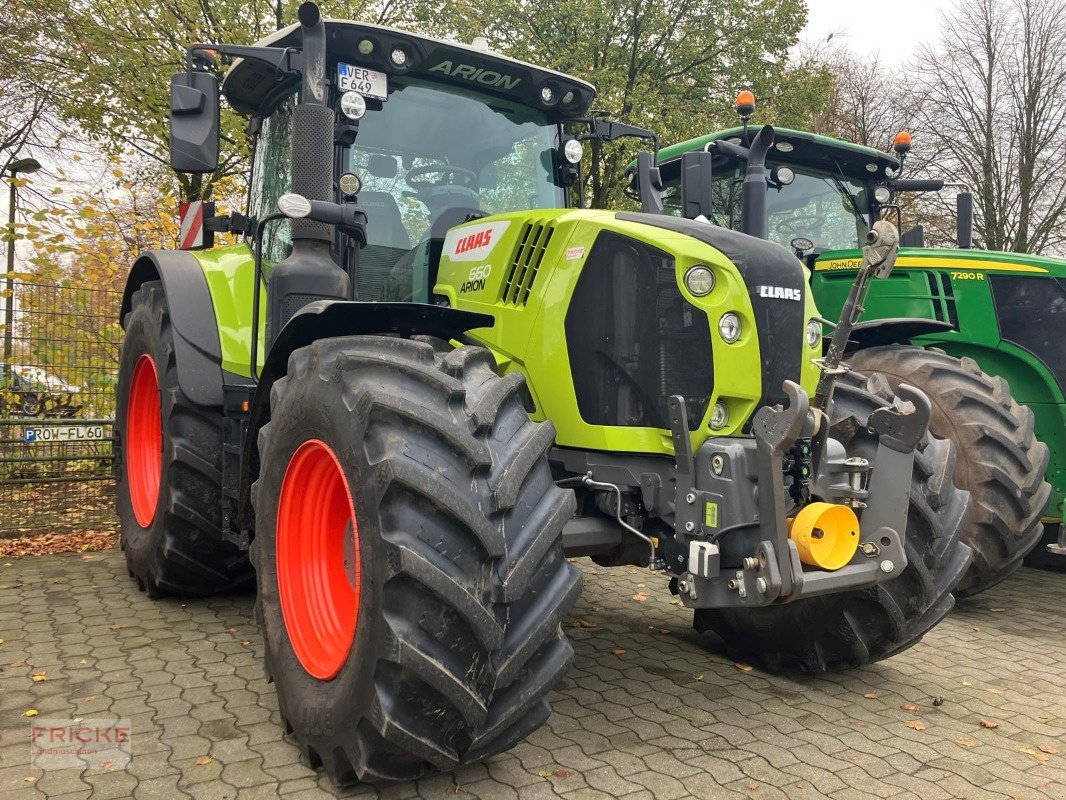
(57, 406)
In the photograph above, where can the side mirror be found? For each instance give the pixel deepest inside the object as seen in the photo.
(696, 184)
(964, 220)
(194, 122)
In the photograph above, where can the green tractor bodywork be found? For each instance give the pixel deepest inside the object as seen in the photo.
(421, 380)
(1006, 311)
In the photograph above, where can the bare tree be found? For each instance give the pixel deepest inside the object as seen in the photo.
(994, 92)
(868, 102)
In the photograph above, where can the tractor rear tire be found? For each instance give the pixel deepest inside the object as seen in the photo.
(999, 460)
(851, 629)
(409, 557)
(168, 466)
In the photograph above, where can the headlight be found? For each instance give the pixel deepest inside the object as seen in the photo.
(814, 332)
(719, 416)
(729, 327)
(398, 57)
(349, 183)
(573, 150)
(699, 280)
(882, 194)
(353, 106)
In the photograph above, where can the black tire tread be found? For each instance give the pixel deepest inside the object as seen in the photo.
(508, 590)
(190, 558)
(999, 459)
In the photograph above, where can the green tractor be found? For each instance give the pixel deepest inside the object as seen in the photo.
(945, 321)
(421, 382)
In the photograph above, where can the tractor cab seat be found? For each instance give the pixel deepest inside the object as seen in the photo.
(414, 275)
(387, 241)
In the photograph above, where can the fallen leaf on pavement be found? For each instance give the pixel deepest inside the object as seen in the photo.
(994, 690)
(743, 667)
(911, 707)
(204, 760)
(1035, 755)
(916, 725)
(870, 695)
(675, 602)
(801, 785)
(108, 765)
(753, 785)
(997, 610)
(245, 642)
(698, 677)
(1, 641)
(640, 597)
(967, 683)
(640, 585)
(987, 723)
(29, 778)
(966, 741)
(40, 676)
(453, 789)
(618, 651)
(1046, 748)
(562, 773)
(32, 712)
(584, 623)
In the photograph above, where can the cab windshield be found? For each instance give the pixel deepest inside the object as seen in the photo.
(432, 157)
(830, 210)
(429, 158)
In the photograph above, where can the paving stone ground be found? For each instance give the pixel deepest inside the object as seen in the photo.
(666, 718)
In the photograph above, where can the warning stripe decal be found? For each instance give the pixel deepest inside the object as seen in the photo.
(190, 233)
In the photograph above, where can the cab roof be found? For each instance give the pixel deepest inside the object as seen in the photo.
(809, 150)
(252, 88)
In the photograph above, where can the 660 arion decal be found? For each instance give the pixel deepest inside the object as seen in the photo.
(473, 242)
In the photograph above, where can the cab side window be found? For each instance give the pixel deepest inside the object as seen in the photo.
(272, 177)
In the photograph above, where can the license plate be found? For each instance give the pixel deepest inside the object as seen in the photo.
(367, 82)
(64, 433)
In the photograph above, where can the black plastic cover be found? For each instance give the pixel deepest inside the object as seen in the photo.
(1032, 314)
(632, 338)
(777, 285)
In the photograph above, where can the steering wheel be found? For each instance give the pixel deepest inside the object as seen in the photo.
(449, 176)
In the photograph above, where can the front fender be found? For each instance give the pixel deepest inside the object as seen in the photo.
(895, 330)
(192, 316)
(325, 319)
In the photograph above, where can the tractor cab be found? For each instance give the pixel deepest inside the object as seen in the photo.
(821, 193)
(404, 108)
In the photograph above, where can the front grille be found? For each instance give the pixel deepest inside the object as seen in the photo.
(1032, 314)
(633, 340)
(779, 321)
(529, 252)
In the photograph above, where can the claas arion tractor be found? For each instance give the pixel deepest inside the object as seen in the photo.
(420, 382)
(968, 327)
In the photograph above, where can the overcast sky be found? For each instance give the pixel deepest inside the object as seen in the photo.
(894, 28)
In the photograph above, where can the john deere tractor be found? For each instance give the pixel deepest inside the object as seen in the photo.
(420, 382)
(967, 327)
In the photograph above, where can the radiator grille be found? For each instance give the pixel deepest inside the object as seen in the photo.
(525, 262)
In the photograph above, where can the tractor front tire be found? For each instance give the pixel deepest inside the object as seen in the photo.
(169, 466)
(409, 557)
(852, 629)
(999, 460)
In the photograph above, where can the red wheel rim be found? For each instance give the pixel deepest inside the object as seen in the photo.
(318, 559)
(144, 441)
